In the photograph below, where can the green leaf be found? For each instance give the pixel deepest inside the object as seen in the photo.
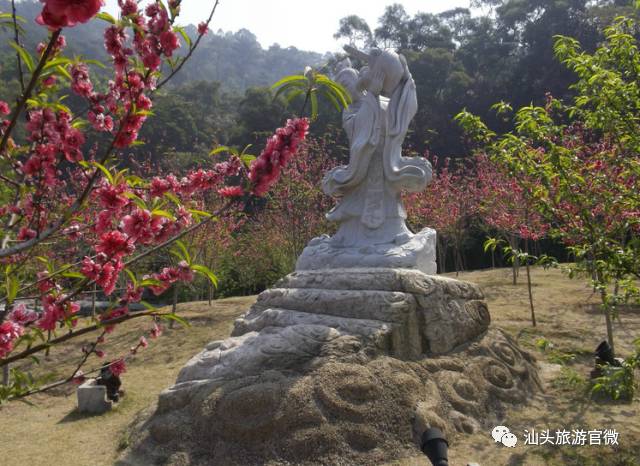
(221, 149)
(173, 316)
(183, 249)
(298, 79)
(247, 159)
(104, 170)
(201, 213)
(72, 274)
(103, 15)
(314, 105)
(147, 305)
(24, 56)
(203, 270)
(184, 35)
(163, 213)
(132, 277)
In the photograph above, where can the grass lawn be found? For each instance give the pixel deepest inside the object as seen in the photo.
(51, 432)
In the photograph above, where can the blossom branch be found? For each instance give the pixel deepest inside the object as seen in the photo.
(27, 93)
(74, 334)
(191, 50)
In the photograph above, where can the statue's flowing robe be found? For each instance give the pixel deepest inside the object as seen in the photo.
(370, 209)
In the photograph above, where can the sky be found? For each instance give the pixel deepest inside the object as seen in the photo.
(304, 24)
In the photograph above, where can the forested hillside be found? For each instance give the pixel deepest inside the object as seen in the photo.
(236, 59)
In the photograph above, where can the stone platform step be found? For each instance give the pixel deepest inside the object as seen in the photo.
(403, 280)
(385, 306)
(375, 331)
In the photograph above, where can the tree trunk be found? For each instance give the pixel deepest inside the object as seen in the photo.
(174, 307)
(607, 311)
(513, 242)
(210, 290)
(533, 313)
(93, 301)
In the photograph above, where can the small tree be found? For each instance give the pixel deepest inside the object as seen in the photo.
(584, 160)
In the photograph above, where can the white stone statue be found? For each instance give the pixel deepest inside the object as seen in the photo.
(384, 102)
(372, 231)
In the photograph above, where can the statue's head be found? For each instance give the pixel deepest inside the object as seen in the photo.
(390, 67)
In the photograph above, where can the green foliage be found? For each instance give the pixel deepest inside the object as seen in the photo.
(580, 164)
(311, 84)
(554, 355)
(619, 382)
(569, 379)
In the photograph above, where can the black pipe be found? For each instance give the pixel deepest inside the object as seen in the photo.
(435, 446)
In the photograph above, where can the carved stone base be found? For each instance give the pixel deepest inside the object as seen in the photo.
(418, 252)
(331, 367)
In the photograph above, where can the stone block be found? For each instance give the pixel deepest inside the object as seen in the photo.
(92, 398)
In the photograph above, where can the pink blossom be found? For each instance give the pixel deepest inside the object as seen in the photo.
(231, 191)
(112, 197)
(203, 28)
(80, 81)
(185, 273)
(4, 108)
(118, 367)
(132, 294)
(9, 332)
(143, 342)
(58, 14)
(56, 309)
(113, 314)
(115, 244)
(78, 378)
(21, 315)
(159, 187)
(265, 170)
(26, 234)
(49, 81)
(99, 353)
(169, 42)
(156, 331)
(139, 226)
(128, 7)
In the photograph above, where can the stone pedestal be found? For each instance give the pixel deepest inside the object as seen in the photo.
(417, 253)
(332, 366)
(92, 398)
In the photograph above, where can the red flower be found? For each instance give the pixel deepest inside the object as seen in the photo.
(138, 226)
(156, 331)
(114, 244)
(58, 14)
(23, 316)
(265, 170)
(169, 42)
(113, 314)
(9, 332)
(78, 378)
(118, 367)
(4, 108)
(231, 191)
(203, 29)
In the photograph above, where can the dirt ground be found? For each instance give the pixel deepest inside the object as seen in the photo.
(51, 432)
